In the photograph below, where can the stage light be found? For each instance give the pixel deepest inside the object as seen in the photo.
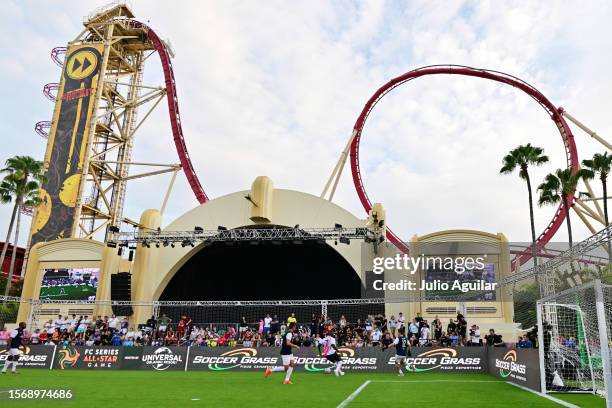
(120, 251)
(381, 223)
(335, 242)
(131, 255)
(157, 244)
(345, 240)
(221, 228)
(198, 229)
(338, 226)
(111, 244)
(166, 242)
(113, 228)
(297, 226)
(146, 244)
(172, 245)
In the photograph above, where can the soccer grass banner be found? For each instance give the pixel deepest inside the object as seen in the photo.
(32, 356)
(360, 359)
(68, 141)
(518, 366)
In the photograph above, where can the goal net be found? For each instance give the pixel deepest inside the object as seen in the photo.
(574, 329)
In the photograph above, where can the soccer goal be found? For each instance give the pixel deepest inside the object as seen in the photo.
(574, 334)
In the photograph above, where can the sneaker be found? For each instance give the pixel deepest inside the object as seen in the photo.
(341, 372)
(337, 373)
(287, 382)
(268, 372)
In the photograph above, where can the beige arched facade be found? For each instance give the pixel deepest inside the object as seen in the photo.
(152, 268)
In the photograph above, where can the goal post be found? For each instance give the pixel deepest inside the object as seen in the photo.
(574, 336)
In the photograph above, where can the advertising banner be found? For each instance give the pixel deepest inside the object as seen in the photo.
(359, 359)
(32, 356)
(520, 366)
(68, 140)
(96, 358)
(154, 358)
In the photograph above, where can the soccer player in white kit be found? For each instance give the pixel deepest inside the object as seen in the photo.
(329, 349)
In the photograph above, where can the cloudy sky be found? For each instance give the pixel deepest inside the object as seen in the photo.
(274, 88)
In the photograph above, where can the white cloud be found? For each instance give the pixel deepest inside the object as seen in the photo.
(274, 88)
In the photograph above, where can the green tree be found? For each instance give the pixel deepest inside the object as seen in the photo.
(522, 158)
(600, 165)
(558, 187)
(21, 185)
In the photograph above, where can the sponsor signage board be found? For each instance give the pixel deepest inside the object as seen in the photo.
(95, 358)
(359, 359)
(519, 366)
(160, 358)
(32, 356)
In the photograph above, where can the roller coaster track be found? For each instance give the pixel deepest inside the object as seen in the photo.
(173, 110)
(554, 113)
(50, 91)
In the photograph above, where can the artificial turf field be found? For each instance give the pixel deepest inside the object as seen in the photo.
(71, 292)
(251, 389)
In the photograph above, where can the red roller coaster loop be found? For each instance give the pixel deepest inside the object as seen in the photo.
(175, 117)
(554, 113)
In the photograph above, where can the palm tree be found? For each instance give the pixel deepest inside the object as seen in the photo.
(558, 187)
(21, 185)
(523, 157)
(600, 164)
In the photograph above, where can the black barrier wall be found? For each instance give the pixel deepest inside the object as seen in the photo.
(519, 366)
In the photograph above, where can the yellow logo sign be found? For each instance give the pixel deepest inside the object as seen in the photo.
(81, 64)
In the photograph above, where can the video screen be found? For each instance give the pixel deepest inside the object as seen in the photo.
(449, 284)
(69, 284)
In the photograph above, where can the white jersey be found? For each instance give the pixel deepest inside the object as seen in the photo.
(327, 344)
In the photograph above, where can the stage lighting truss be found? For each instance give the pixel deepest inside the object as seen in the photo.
(191, 238)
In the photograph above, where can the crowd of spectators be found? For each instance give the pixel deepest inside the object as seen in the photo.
(374, 331)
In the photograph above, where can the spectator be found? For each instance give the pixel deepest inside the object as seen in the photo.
(437, 328)
(4, 336)
(475, 336)
(524, 342)
(413, 330)
(266, 324)
(493, 339)
(163, 322)
(392, 325)
(424, 339)
(113, 322)
(292, 319)
(401, 320)
(242, 327)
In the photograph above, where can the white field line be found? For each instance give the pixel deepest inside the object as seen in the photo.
(353, 395)
(549, 397)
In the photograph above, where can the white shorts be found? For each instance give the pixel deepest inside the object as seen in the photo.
(14, 352)
(287, 359)
(398, 358)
